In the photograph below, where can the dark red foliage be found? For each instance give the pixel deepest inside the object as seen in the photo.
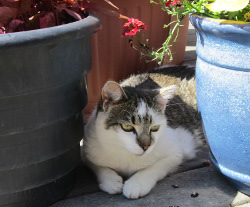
(22, 15)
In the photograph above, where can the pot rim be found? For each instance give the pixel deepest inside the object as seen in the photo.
(55, 34)
(220, 21)
(224, 26)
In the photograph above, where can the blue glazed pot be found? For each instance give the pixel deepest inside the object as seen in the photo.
(223, 96)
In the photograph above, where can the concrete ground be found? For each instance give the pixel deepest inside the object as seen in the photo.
(195, 184)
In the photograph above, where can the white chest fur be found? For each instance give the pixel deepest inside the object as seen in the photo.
(104, 149)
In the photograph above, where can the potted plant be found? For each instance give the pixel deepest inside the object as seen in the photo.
(113, 56)
(42, 93)
(222, 79)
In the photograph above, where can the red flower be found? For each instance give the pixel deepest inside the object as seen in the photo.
(171, 2)
(132, 26)
(174, 2)
(167, 4)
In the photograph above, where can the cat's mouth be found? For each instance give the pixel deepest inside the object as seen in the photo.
(140, 150)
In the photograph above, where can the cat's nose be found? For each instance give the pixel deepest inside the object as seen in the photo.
(145, 147)
(144, 141)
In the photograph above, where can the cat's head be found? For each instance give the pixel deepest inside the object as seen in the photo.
(133, 118)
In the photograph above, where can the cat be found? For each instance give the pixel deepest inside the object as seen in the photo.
(143, 129)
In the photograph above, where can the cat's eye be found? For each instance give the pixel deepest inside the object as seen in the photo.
(127, 127)
(155, 128)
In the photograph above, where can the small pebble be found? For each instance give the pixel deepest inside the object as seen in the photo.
(207, 163)
(194, 195)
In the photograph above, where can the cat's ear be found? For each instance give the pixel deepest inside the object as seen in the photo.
(112, 92)
(165, 94)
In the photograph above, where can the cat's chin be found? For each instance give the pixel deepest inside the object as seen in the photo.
(140, 151)
(137, 151)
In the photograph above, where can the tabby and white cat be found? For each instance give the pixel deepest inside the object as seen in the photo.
(142, 129)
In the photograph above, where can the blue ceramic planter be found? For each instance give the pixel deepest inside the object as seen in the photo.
(222, 75)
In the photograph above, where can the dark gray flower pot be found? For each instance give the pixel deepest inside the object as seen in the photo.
(42, 93)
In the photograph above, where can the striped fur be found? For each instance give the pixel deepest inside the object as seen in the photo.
(143, 128)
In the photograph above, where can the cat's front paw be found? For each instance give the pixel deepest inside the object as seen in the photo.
(110, 182)
(135, 188)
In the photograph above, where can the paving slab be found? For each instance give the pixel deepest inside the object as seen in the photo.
(208, 187)
(86, 182)
(193, 176)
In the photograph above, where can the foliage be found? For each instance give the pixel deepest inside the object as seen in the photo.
(238, 10)
(22, 15)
